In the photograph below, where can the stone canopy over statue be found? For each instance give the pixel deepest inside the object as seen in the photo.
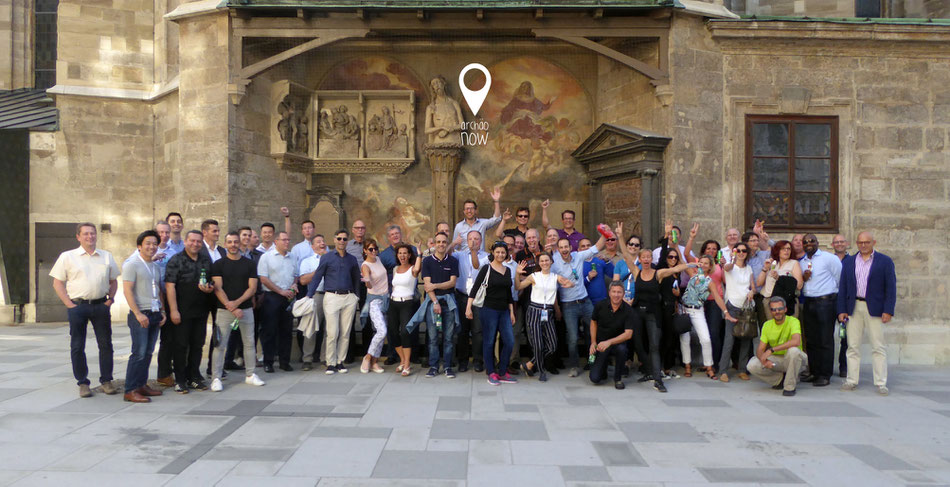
(443, 125)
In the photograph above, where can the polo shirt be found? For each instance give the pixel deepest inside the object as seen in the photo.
(467, 272)
(338, 273)
(574, 238)
(439, 271)
(183, 272)
(825, 274)
(161, 263)
(774, 335)
(86, 276)
(262, 249)
(481, 225)
(280, 269)
(573, 271)
(610, 323)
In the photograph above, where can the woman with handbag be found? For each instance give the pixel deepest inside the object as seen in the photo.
(493, 288)
(698, 289)
(781, 276)
(739, 304)
(539, 317)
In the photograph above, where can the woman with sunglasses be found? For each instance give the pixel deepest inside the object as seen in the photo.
(670, 293)
(622, 272)
(539, 316)
(698, 290)
(739, 293)
(781, 276)
(648, 302)
(377, 300)
(497, 314)
(403, 302)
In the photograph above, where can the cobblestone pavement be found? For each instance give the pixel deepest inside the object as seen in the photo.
(306, 428)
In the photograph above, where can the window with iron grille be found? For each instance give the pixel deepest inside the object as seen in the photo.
(44, 43)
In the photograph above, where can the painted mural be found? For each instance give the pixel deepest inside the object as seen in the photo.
(538, 114)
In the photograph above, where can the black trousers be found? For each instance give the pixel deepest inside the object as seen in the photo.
(469, 347)
(189, 339)
(717, 331)
(598, 371)
(669, 340)
(276, 329)
(818, 325)
(397, 317)
(166, 349)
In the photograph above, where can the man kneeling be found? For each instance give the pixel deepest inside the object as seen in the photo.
(611, 326)
(779, 358)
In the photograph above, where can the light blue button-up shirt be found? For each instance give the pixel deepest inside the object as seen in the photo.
(301, 251)
(573, 270)
(466, 271)
(309, 265)
(481, 225)
(825, 274)
(756, 262)
(280, 269)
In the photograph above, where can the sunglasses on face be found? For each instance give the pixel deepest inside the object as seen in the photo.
(810, 240)
(611, 240)
(372, 249)
(633, 244)
(777, 310)
(741, 251)
(671, 257)
(522, 216)
(341, 239)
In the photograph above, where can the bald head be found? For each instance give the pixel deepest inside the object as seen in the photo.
(840, 244)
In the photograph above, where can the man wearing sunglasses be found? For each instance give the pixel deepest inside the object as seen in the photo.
(522, 216)
(340, 273)
(822, 273)
(779, 357)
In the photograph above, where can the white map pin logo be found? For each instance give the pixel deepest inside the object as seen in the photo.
(475, 98)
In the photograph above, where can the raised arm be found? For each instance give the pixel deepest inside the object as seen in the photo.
(287, 226)
(500, 229)
(496, 197)
(544, 214)
(688, 248)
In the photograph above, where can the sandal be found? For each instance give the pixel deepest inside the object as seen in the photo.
(689, 371)
(528, 372)
(743, 376)
(405, 372)
(711, 373)
(399, 368)
(724, 377)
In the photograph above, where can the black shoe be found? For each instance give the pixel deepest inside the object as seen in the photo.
(619, 385)
(433, 371)
(658, 385)
(479, 367)
(307, 366)
(198, 384)
(181, 388)
(269, 368)
(232, 366)
(821, 382)
(391, 361)
(781, 383)
(463, 366)
(645, 378)
(286, 368)
(788, 393)
(808, 378)
(587, 366)
(543, 377)
(528, 372)
(552, 370)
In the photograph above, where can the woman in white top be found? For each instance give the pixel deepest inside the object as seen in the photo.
(377, 301)
(739, 293)
(403, 302)
(539, 317)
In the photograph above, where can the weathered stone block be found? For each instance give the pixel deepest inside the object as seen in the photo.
(935, 139)
(921, 189)
(876, 189)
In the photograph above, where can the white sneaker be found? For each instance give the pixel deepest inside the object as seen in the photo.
(253, 380)
(216, 385)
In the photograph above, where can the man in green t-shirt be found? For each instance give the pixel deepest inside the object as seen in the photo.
(780, 357)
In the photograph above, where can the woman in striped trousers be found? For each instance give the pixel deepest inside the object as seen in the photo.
(539, 317)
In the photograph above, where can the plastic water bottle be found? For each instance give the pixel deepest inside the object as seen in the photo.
(235, 324)
(438, 322)
(841, 331)
(203, 280)
(593, 356)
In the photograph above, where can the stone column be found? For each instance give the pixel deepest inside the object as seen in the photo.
(444, 162)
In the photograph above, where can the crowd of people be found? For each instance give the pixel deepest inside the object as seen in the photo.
(524, 307)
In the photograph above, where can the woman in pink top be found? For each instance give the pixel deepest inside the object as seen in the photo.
(377, 300)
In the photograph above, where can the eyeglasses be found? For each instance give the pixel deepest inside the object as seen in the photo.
(777, 310)
(341, 239)
(523, 216)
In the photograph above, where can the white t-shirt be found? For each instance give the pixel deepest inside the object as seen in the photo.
(544, 290)
(737, 285)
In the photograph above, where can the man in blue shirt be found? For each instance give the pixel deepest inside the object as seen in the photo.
(302, 249)
(472, 222)
(315, 290)
(340, 274)
(277, 271)
(595, 270)
(575, 305)
(470, 261)
(440, 272)
(821, 272)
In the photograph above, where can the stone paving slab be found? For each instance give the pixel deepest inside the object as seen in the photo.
(306, 429)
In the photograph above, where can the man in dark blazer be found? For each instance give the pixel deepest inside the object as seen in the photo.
(866, 298)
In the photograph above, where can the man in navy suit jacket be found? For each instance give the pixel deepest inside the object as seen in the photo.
(866, 298)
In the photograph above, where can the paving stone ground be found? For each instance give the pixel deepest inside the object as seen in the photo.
(306, 428)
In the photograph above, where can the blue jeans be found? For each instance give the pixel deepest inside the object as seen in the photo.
(574, 313)
(598, 371)
(143, 344)
(448, 334)
(79, 316)
(496, 321)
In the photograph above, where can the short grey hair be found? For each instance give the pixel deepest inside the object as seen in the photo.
(393, 227)
(778, 299)
(614, 284)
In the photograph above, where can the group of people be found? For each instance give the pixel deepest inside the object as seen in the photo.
(634, 307)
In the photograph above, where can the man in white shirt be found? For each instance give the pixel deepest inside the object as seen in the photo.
(311, 346)
(472, 222)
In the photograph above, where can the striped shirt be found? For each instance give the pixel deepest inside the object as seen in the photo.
(862, 269)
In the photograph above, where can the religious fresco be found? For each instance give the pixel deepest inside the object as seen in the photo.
(538, 113)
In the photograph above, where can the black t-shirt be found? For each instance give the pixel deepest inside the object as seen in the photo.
(611, 324)
(185, 272)
(498, 293)
(234, 275)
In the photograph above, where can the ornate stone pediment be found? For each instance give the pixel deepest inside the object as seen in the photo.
(342, 131)
(614, 150)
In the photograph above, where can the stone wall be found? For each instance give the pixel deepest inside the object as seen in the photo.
(894, 161)
(16, 27)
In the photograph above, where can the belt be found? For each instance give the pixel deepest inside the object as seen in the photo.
(90, 301)
(861, 299)
(541, 306)
(822, 298)
(403, 300)
(693, 307)
(575, 301)
(342, 293)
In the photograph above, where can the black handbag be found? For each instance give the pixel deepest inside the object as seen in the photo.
(747, 325)
(682, 324)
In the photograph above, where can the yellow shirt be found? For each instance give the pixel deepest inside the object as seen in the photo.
(774, 335)
(86, 276)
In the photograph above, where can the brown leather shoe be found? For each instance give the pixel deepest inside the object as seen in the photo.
(148, 391)
(166, 381)
(134, 396)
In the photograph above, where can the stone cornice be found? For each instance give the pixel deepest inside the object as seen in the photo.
(194, 9)
(828, 31)
(157, 92)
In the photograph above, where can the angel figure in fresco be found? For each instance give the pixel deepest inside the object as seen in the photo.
(408, 217)
(485, 187)
(522, 115)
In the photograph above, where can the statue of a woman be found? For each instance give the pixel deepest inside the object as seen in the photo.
(443, 117)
